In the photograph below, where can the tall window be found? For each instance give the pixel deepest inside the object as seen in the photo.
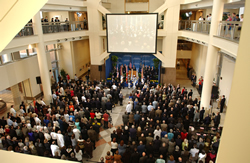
(6, 58)
(32, 51)
(23, 53)
(51, 49)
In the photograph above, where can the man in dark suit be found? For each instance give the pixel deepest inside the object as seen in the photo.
(222, 103)
(217, 121)
(108, 105)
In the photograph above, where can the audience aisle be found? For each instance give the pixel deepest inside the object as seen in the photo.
(103, 145)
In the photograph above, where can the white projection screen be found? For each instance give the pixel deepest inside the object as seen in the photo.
(132, 33)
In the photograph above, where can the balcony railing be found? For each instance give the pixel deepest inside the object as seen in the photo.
(27, 30)
(184, 46)
(54, 27)
(230, 30)
(195, 26)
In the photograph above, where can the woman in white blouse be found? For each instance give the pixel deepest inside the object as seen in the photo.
(114, 146)
(78, 153)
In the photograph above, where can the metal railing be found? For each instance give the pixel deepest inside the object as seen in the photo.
(54, 27)
(230, 30)
(195, 26)
(27, 30)
(184, 46)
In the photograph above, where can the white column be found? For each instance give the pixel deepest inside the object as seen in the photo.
(234, 142)
(42, 59)
(16, 96)
(212, 52)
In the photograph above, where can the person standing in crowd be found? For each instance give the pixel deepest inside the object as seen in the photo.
(222, 103)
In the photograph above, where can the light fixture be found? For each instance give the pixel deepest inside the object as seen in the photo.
(198, 41)
(203, 42)
(30, 46)
(80, 37)
(73, 38)
(66, 39)
(58, 40)
(192, 39)
(78, 14)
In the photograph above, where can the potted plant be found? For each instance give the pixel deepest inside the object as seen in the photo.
(156, 63)
(114, 60)
(139, 74)
(63, 73)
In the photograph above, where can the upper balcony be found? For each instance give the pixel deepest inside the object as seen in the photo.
(229, 30)
(195, 26)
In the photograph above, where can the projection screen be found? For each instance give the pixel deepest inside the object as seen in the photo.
(132, 33)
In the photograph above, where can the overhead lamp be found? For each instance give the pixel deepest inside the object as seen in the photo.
(73, 38)
(80, 37)
(30, 46)
(58, 40)
(66, 39)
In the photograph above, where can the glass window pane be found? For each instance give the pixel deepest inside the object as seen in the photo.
(6, 58)
(32, 51)
(52, 56)
(23, 53)
(54, 65)
(49, 47)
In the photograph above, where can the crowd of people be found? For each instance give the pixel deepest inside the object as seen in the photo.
(65, 129)
(161, 124)
(165, 124)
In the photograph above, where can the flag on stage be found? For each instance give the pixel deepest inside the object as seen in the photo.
(130, 64)
(131, 74)
(137, 76)
(126, 73)
(121, 74)
(117, 72)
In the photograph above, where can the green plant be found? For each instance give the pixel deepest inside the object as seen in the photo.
(156, 63)
(184, 16)
(114, 60)
(139, 74)
(162, 17)
(110, 74)
(63, 73)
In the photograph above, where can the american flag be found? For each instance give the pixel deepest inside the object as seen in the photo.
(117, 76)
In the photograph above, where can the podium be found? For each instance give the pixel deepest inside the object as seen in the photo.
(134, 73)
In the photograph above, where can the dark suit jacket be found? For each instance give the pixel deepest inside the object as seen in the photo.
(222, 102)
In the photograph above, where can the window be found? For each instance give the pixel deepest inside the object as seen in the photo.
(32, 51)
(53, 56)
(23, 53)
(50, 47)
(54, 65)
(6, 58)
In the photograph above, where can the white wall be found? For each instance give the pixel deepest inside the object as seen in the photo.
(65, 59)
(117, 6)
(62, 15)
(184, 54)
(227, 73)
(198, 59)
(154, 4)
(159, 44)
(19, 71)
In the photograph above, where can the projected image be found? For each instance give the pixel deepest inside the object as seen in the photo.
(132, 33)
